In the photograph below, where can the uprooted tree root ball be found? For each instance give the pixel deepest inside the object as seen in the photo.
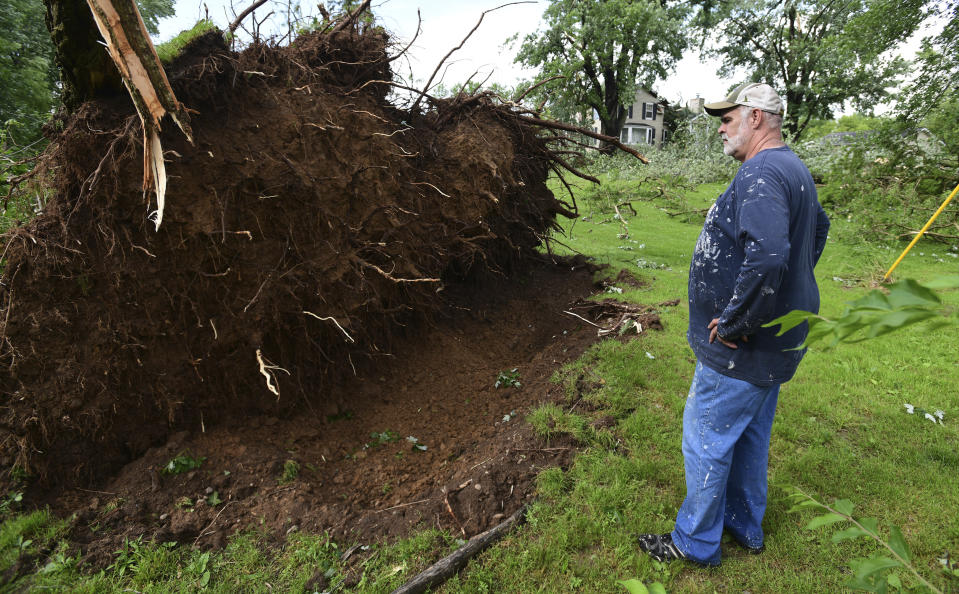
(311, 225)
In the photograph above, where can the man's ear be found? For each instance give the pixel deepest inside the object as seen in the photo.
(755, 117)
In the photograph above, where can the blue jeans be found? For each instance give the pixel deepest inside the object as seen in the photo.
(726, 427)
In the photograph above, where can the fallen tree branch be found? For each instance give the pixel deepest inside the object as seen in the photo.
(444, 569)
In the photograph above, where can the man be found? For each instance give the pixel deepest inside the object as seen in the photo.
(753, 262)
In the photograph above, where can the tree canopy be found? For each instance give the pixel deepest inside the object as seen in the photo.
(822, 54)
(938, 66)
(603, 49)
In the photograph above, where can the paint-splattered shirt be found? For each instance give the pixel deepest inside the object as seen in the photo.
(753, 263)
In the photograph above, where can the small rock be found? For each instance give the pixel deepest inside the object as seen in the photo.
(208, 490)
(478, 487)
(164, 516)
(292, 529)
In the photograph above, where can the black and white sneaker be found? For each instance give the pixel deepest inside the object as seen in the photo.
(660, 547)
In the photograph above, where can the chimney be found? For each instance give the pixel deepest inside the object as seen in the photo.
(696, 105)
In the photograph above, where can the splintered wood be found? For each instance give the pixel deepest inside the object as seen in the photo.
(133, 53)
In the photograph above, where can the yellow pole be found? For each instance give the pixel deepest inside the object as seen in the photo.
(921, 231)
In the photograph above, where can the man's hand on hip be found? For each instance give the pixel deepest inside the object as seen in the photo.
(714, 335)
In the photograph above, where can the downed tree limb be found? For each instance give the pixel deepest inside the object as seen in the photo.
(444, 569)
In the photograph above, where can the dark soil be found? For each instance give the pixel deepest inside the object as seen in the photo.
(437, 387)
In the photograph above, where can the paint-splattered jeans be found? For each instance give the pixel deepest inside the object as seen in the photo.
(726, 428)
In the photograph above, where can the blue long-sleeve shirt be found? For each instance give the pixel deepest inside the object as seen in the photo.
(754, 262)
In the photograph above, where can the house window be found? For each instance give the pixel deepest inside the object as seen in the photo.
(649, 111)
(630, 116)
(637, 135)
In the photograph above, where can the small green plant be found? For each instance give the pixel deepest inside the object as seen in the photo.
(184, 503)
(508, 379)
(378, 438)
(291, 469)
(198, 569)
(128, 558)
(59, 561)
(183, 462)
(213, 499)
(870, 575)
(10, 503)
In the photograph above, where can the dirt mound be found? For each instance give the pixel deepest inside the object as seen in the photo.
(310, 228)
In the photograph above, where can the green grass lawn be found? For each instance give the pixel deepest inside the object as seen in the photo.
(841, 432)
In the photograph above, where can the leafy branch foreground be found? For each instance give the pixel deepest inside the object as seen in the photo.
(907, 302)
(869, 574)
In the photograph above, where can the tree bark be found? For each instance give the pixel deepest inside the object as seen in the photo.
(86, 70)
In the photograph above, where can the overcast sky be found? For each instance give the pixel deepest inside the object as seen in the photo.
(447, 22)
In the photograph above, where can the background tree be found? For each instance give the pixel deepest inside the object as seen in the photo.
(822, 53)
(938, 72)
(29, 88)
(27, 72)
(603, 49)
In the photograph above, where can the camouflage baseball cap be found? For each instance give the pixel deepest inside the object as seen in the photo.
(758, 95)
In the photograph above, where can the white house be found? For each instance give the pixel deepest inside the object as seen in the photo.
(644, 120)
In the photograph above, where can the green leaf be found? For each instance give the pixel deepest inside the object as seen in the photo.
(849, 533)
(634, 586)
(893, 580)
(657, 588)
(805, 504)
(843, 506)
(824, 520)
(898, 544)
(790, 320)
(909, 293)
(874, 299)
(870, 524)
(899, 319)
(874, 565)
